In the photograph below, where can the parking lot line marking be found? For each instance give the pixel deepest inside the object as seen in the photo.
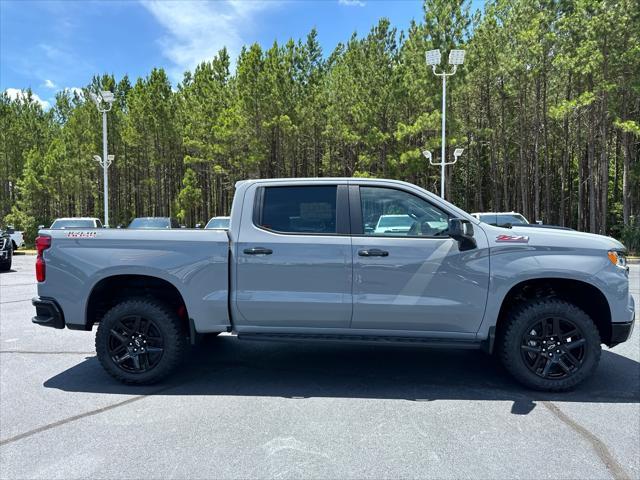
(90, 413)
(617, 471)
(16, 301)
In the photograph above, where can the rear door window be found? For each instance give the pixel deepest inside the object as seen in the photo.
(303, 209)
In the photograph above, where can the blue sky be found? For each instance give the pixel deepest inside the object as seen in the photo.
(51, 45)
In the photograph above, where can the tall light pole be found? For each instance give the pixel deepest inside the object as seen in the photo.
(104, 101)
(456, 57)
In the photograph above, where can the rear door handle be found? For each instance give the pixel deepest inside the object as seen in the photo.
(258, 251)
(373, 252)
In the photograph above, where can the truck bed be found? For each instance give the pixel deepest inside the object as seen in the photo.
(194, 261)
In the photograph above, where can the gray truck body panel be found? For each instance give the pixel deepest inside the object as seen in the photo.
(425, 287)
(195, 262)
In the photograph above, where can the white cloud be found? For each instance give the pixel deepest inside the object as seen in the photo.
(16, 93)
(352, 3)
(49, 84)
(77, 90)
(197, 30)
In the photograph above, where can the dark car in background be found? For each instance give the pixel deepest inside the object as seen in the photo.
(154, 223)
(6, 251)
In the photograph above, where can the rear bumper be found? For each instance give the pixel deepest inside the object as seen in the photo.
(48, 313)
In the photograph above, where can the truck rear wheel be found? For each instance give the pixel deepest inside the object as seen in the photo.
(550, 344)
(140, 341)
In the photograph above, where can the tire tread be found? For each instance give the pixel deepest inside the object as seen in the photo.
(509, 347)
(174, 335)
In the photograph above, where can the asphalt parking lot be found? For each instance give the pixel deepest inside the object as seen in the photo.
(268, 410)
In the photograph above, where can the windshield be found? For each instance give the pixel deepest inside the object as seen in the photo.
(501, 219)
(395, 221)
(150, 223)
(218, 223)
(73, 223)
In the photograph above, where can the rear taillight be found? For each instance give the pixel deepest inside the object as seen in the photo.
(42, 243)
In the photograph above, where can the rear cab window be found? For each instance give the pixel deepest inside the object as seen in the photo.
(305, 209)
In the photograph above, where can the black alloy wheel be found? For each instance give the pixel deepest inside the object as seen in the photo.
(136, 344)
(141, 341)
(549, 344)
(553, 348)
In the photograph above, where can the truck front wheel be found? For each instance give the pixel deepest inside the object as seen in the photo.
(140, 341)
(550, 344)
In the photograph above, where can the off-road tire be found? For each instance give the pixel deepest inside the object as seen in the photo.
(166, 322)
(521, 318)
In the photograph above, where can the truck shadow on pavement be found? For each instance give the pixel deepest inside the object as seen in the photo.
(228, 366)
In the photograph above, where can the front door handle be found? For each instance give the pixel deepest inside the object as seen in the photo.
(258, 251)
(373, 252)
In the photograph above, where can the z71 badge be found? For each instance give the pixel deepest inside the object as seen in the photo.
(512, 238)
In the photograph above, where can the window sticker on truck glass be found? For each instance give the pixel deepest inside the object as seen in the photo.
(512, 238)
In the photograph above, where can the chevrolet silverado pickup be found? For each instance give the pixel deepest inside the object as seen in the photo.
(298, 264)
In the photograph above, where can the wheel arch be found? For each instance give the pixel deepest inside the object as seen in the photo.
(584, 295)
(113, 289)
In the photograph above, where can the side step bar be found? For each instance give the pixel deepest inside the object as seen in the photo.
(362, 340)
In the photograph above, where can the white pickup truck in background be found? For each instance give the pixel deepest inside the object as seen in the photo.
(16, 237)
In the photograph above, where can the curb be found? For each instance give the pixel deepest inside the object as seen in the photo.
(25, 252)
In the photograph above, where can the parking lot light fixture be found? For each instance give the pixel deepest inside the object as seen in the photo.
(434, 57)
(456, 57)
(104, 101)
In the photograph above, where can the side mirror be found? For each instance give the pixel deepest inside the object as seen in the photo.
(40, 227)
(183, 226)
(198, 225)
(461, 230)
(539, 222)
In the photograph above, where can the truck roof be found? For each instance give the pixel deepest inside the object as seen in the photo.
(321, 180)
(245, 184)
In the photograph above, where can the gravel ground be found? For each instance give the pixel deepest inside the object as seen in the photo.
(268, 410)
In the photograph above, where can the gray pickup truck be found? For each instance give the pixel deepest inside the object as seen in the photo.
(303, 260)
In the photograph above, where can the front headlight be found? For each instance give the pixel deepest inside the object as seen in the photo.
(618, 258)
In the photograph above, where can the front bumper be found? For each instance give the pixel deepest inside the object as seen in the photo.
(620, 332)
(48, 313)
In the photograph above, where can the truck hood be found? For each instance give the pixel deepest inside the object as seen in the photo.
(549, 237)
